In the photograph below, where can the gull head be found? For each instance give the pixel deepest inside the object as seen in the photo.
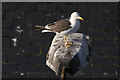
(75, 16)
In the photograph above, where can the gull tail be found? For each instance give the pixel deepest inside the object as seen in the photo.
(43, 28)
(39, 27)
(45, 31)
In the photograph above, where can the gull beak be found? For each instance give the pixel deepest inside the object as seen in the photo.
(80, 18)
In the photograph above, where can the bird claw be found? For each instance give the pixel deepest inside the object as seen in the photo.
(68, 44)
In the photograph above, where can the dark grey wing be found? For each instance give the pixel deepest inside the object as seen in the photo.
(60, 25)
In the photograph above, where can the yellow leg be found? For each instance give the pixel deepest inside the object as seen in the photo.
(67, 40)
(67, 44)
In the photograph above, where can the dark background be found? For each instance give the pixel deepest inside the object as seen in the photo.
(27, 58)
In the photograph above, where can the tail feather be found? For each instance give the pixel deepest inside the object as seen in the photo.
(45, 31)
(40, 27)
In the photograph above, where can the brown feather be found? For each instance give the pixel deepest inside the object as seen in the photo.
(60, 25)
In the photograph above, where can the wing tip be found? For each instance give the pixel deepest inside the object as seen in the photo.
(43, 31)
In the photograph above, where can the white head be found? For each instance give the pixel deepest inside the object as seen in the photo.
(75, 16)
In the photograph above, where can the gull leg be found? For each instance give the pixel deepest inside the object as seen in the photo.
(68, 42)
(66, 45)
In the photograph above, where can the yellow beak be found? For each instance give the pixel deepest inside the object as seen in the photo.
(80, 18)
